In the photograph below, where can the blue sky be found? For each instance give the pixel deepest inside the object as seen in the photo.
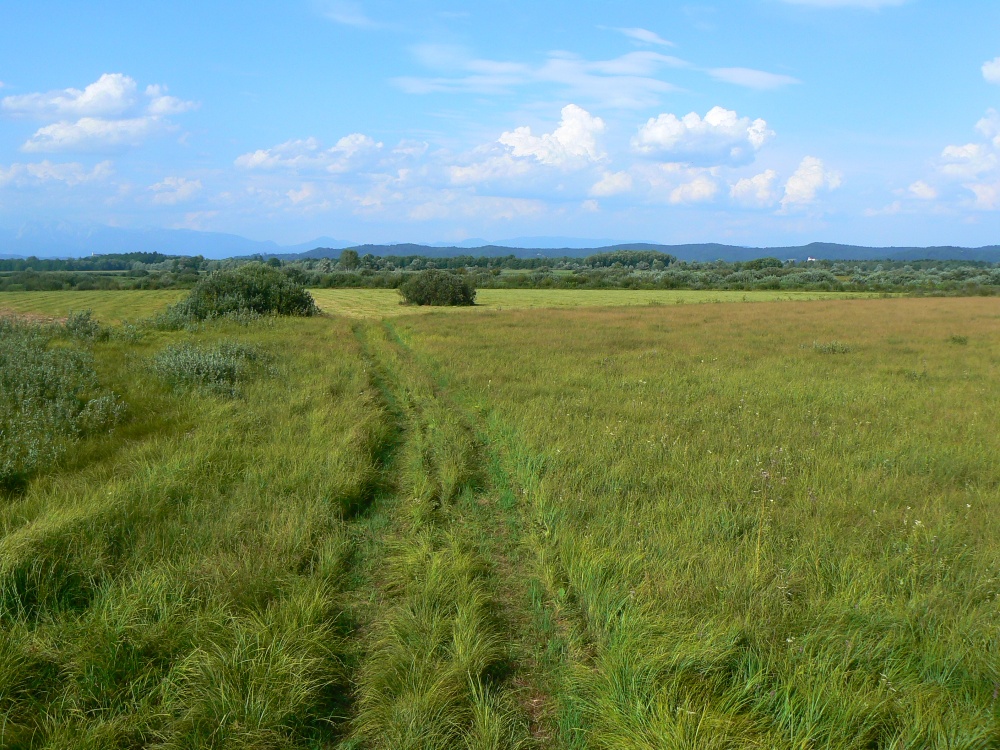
(760, 122)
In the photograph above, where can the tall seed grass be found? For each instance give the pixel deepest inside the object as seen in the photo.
(763, 547)
(180, 585)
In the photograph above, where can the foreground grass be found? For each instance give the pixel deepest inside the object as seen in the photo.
(765, 525)
(178, 583)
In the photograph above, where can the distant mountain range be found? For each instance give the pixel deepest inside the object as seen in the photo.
(65, 239)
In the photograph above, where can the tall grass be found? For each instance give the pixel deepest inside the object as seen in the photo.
(50, 396)
(763, 545)
(180, 585)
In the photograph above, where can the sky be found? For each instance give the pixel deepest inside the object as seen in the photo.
(757, 122)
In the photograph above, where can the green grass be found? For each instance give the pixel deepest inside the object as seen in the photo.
(757, 541)
(660, 526)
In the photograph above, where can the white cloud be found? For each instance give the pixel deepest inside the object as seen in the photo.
(591, 206)
(502, 167)
(612, 183)
(162, 105)
(92, 134)
(308, 154)
(572, 143)
(809, 179)
(69, 173)
(700, 190)
(923, 191)
(752, 79)
(869, 4)
(758, 190)
(989, 126)
(646, 36)
(628, 81)
(107, 114)
(174, 190)
(991, 70)
(111, 94)
(721, 136)
(987, 195)
(968, 161)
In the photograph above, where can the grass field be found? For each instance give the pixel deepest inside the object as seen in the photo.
(670, 526)
(109, 306)
(381, 303)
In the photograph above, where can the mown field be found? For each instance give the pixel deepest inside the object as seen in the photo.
(660, 526)
(115, 306)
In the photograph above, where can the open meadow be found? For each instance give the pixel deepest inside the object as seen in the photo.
(535, 523)
(115, 306)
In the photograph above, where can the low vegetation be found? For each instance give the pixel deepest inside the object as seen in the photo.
(253, 288)
(720, 526)
(50, 396)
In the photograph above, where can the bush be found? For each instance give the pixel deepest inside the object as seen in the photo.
(49, 397)
(250, 288)
(433, 287)
(220, 368)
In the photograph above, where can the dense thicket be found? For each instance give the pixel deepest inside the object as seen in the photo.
(626, 269)
(438, 288)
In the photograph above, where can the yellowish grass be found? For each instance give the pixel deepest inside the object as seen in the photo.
(108, 306)
(382, 303)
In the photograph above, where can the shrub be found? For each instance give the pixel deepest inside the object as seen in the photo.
(220, 368)
(49, 397)
(250, 288)
(433, 287)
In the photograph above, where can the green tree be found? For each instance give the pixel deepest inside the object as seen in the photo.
(349, 259)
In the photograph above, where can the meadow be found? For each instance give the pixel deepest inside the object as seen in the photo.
(118, 305)
(534, 523)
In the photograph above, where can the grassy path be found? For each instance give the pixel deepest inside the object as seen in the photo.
(451, 636)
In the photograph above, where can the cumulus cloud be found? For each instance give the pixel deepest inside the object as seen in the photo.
(612, 183)
(991, 70)
(987, 195)
(758, 190)
(111, 94)
(720, 137)
(68, 173)
(968, 161)
(700, 190)
(923, 191)
(309, 154)
(92, 134)
(573, 142)
(107, 114)
(807, 182)
(174, 190)
(161, 104)
(752, 79)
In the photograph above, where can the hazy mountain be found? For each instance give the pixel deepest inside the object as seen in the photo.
(66, 239)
